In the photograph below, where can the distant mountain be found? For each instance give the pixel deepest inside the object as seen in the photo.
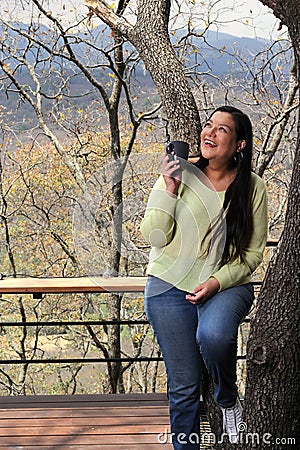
(215, 55)
(215, 48)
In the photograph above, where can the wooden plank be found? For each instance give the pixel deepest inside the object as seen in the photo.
(60, 429)
(62, 413)
(90, 398)
(79, 439)
(113, 421)
(138, 422)
(104, 421)
(83, 400)
(74, 285)
(131, 446)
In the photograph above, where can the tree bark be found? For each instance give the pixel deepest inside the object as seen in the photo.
(273, 366)
(272, 390)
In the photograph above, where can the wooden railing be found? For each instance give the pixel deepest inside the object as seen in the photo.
(39, 286)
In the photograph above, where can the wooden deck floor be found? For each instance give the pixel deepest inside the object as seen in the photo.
(84, 422)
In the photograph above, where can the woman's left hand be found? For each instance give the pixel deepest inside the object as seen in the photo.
(204, 291)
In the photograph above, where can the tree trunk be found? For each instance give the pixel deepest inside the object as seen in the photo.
(150, 37)
(272, 390)
(114, 301)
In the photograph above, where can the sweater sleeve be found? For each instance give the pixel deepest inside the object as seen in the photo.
(158, 223)
(235, 272)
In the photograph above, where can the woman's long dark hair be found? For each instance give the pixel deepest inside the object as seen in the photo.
(237, 197)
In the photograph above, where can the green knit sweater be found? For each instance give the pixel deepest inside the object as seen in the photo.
(176, 229)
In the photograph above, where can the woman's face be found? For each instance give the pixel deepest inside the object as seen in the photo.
(219, 139)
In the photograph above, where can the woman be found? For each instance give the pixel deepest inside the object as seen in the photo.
(207, 226)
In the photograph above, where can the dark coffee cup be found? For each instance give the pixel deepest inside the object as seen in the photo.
(178, 149)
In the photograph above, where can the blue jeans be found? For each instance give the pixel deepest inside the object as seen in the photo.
(188, 335)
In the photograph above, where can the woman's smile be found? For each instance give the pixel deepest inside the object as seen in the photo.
(209, 143)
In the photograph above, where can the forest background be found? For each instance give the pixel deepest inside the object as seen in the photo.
(82, 132)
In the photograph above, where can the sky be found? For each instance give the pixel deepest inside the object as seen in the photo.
(248, 18)
(252, 18)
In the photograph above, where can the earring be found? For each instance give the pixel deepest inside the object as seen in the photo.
(238, 157)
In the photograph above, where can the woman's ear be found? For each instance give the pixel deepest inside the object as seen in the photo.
(241, 145)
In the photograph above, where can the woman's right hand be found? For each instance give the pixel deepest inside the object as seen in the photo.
(172, 175)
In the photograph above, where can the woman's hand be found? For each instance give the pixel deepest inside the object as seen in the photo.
(204, 291)
(172, 174)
